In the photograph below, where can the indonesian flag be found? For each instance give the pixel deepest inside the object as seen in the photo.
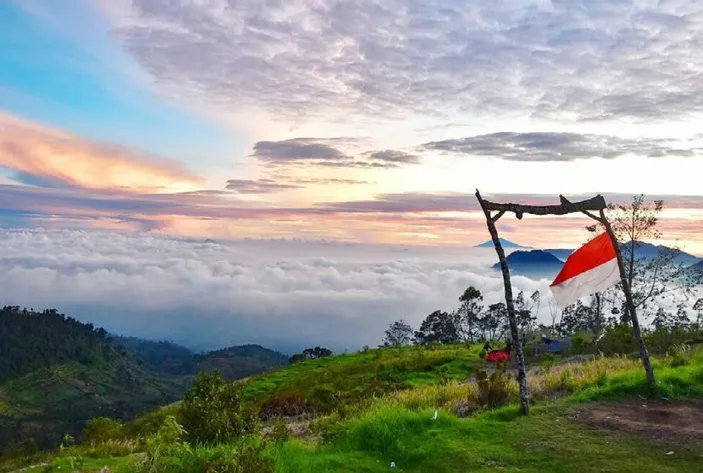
(590, 269)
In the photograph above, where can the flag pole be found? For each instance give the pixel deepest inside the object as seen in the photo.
(510, 304)
(644, 354)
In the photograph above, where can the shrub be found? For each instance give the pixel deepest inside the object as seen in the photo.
(284, 405)
(617, 340)
(323, 399)
(214, 410)
(167, 452)
(494, 390)
(482, 354)
(280, 432)
(678, 356)
(101, 429)
(245, 458)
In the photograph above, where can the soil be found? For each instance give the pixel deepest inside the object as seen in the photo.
(673, 422)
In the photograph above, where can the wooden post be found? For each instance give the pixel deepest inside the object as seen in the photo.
(522, 374)
(644, 354)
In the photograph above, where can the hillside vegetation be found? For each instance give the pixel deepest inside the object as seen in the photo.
(56, 373)
(452, 412)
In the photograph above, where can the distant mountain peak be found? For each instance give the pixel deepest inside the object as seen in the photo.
(505, 243)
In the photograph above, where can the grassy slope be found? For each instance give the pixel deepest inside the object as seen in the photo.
(413, 365)
(400, 428)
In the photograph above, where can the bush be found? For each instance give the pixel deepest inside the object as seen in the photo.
(678, 356)
(617, 340)
(167, 452)
(280, 431)
(323, 399)
(493, 390)
(101, 429)
(284, 405)
(246, 458)
(214, 410)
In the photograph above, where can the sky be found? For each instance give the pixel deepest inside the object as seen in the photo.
(355, 122)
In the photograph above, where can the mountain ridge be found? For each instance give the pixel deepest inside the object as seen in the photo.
(532, 263)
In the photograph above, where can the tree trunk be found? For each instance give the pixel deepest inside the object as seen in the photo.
(644, 354)
(522, 374)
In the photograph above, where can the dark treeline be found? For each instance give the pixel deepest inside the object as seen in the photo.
(33, 340)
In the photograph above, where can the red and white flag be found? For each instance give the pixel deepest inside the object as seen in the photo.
(590, 269)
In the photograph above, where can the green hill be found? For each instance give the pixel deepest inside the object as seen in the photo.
(232, 362)
(57, 373)
(49, 403)
(162, 356)
(240, 361)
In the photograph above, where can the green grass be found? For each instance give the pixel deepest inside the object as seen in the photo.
(547, 441)
(59, 465)
(412, 365)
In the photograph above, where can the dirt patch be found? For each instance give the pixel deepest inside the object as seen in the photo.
(673, 422)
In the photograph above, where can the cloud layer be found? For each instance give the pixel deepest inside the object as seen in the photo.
(345, 59)
(286, 295)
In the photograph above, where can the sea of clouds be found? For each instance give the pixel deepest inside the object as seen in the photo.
(285, 295)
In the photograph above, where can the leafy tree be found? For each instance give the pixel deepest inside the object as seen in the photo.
(651, 278)
(214, 410)
(523, 310)
(494, 321)
(698, 307)
(310, 354)
(439, 327)
(398, 334)
(580, 317)
(468, 316)
(672, 321)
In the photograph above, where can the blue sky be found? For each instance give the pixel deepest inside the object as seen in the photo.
(60, 68)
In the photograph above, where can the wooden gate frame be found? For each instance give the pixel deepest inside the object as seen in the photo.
(595, 204)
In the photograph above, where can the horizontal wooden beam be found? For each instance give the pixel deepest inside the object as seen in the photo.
(595, 204)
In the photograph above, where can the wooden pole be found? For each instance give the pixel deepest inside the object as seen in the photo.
(522, 374)
(644, 354)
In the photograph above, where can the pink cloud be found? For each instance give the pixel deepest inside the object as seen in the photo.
(54, 157)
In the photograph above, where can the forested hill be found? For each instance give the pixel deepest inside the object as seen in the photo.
(30, 341)
(232, 363)
(56, 373)
(241, 361)
(163, 356)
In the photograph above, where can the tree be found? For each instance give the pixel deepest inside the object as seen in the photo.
(698, 307)
(439, 327)
(398, 334)
(310, 354)
(494, 321)
(468, 316)
(523, 310)
(650, 277)
(643, 278)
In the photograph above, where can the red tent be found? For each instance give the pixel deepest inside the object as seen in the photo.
(497, 356)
